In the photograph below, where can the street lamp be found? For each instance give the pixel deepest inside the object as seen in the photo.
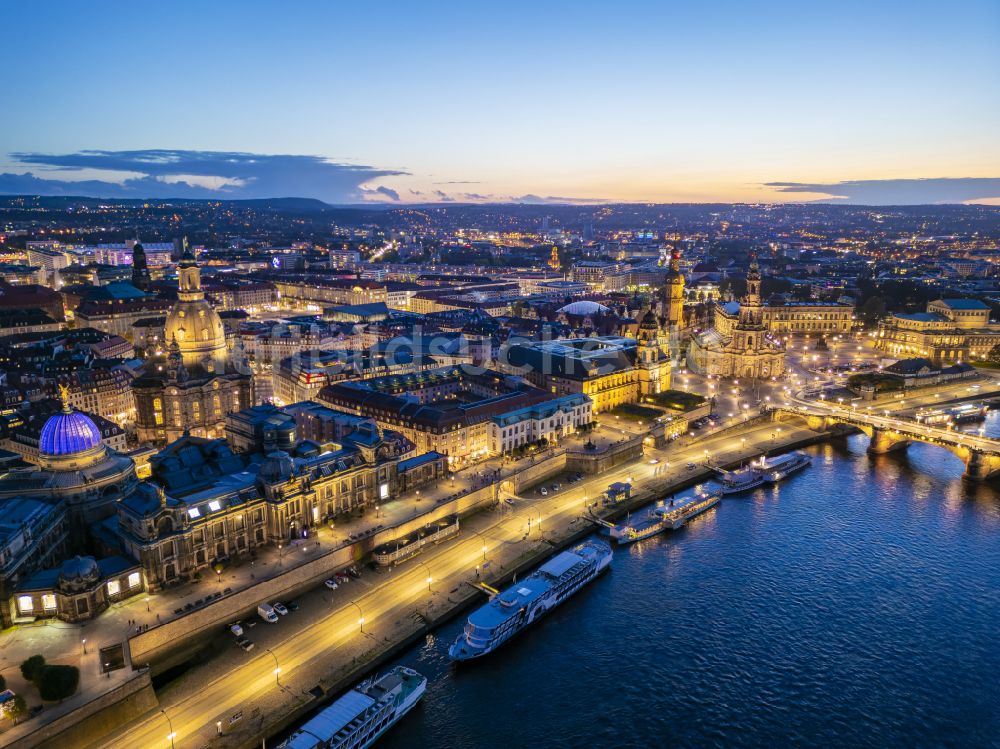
(361, 616)
(218, 727)
(430, 578)
(277, 668)
(84, 641)
(172, 735)
(484, 543)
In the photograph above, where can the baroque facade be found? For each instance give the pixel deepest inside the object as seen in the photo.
(749, 349)
(199, 384)
(949, 332)
(206, 504)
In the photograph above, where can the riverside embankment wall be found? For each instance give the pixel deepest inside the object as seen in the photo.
(94, 719)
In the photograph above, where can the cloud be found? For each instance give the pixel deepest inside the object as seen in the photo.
(899, 191)
(444, 197)
(382, 190)
(459, 182)
(554, 200)
(164, 173)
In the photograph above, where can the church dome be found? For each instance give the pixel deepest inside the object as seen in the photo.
(79, 572)
(193, 323)
(68, 433)
(583, 308)
(198, 330)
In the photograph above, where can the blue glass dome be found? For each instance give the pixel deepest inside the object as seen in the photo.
(67, 433)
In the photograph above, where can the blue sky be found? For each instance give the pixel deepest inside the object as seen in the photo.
(493, 101)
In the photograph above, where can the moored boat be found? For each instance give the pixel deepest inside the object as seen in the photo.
(512, 610)
(741, 480)
(774, 470)
(358, 718)
(664, 515)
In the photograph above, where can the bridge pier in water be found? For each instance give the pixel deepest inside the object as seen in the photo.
(981, 466)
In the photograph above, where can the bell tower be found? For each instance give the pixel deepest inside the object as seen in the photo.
(675, 294)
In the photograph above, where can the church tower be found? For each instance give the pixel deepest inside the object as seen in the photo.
(140, 272)
(652, 359)
(675, 294)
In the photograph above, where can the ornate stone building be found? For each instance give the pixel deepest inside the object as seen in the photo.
(950, 331)
(75, 468)
(205, 503)
(45, 513)
(750, 350)
(199, 383)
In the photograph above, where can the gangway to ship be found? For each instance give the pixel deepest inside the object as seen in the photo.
(487, 589)
(598, 521)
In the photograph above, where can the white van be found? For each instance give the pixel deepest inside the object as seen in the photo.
(267, 613)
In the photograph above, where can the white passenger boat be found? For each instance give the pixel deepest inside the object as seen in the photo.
(776, 469)
(511, 611)
(358, 718)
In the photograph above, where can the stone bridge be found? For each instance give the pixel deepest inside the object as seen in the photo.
(981, 455)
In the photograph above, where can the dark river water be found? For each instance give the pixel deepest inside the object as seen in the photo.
(855, 605)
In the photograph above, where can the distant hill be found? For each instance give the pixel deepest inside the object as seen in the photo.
(68, 201)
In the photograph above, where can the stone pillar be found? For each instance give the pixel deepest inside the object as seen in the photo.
(979, 466)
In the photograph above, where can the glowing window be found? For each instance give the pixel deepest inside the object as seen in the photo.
(134, 580)
(113, 587)
(25, 604)
(194, 512)
(48, 602)
(214, 505)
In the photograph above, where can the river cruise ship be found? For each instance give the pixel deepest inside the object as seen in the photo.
(523, 603)
(358, 718)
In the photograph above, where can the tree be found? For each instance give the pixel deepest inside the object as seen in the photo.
(17, 709)
(994, 356)
(3, 683)
(872, 311)
(31, 667)
(57, 682)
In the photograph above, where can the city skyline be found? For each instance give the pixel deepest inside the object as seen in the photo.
(876, 105)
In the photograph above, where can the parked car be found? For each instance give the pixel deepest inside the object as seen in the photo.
(280, 608)
(236, 629)
(543, 491)
(691, 466)
(246, 644)
(331, 584)
(266, 612)
(292, 605)
(354, 571)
